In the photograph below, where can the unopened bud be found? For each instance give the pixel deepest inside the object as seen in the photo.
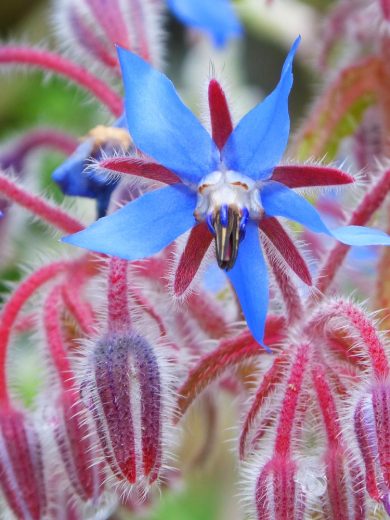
(125, 390)
(21, 466)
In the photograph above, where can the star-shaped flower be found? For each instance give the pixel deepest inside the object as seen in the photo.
(229, 182)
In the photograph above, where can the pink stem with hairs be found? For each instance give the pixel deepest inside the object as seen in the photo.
(367, 207)
(52, 324)
(41, 138)
(55, 63)
(117, 295)
(12, 308)
(38, 206)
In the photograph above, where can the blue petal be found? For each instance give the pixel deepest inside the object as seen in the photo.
(161, 125)
(280, 201)
(143, 227)
(217, 17)
(260, 138)
(69, 175)
(249, 277)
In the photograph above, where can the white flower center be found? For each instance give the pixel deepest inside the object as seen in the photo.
(226, 200)
(230, 189)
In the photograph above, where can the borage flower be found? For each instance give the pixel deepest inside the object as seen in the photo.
(228, 182)
(74, 176)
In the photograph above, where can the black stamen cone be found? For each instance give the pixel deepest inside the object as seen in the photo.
(227, 237)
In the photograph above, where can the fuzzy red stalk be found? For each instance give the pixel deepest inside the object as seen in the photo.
(362, 214)
(12, 308)
(37, 138)
(38, 206)
(49, 61)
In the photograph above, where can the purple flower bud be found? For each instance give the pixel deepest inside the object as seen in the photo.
(124, 388)
(21, 466)
(75, 443)
(372, 431)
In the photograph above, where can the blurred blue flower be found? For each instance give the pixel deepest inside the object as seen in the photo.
(216, 17)
(230, 186)
(75, 177)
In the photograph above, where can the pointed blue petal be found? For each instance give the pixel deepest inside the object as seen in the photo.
(69, 175)
(249, 277)
(280, 201)
(361, 236)
(142, 227)
(258, 142)
(217, 17)
(161, 125)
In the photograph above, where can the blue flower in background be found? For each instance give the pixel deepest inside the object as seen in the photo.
(75, 177)
(216, 17)
(230, 182)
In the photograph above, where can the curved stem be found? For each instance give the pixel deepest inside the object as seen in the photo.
(38, 206)
(46, 60)
(291, 400)
(12, 308)
(52, 325)
(35, 139)
(367, 207)
(117, 295)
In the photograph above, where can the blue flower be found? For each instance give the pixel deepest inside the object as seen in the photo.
(216, 17)
(228, 182)
(74, 176)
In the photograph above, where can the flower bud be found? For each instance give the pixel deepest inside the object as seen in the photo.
(21, 466)
(372, 431)
(126, 395)
(75, 443)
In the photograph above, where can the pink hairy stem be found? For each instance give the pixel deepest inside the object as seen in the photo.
(382, 296)
(364, 431)
(202, 307)
(38, 206)
(117, 295)
(353, 83)
(340, 465)
(208, 314)
(13, 306)
(327, 405)
(146, 305)
(81, 310)
(362, 327)
(139, 26)
(109, 16)
(291, 400)
(25, 323)
(362, 214)
(291, 299)
(40, 138)
(268, 383)
(229, 353)
(90, 40)
(52, 323)
(46, 60)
